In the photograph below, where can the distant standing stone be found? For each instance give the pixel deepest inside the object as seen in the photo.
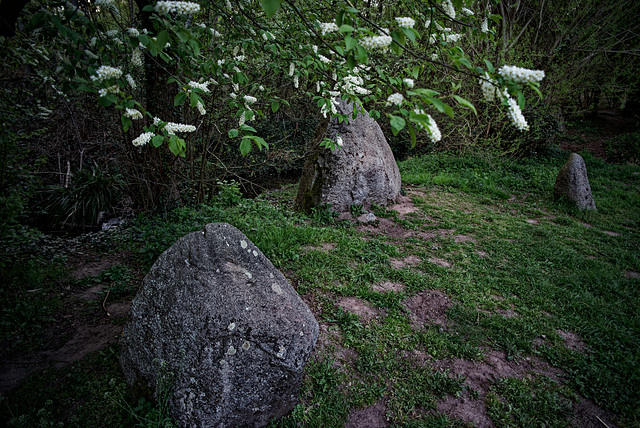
(217, 314)
(362, 172)
(572, 183)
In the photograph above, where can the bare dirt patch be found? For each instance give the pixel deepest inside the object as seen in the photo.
(588, 414)
(404, 206)
(440, 262)
(428, 307)
(93, 268)
(407, 261)
(533, 221)
(572, 341)
(610, 233)
(359, 307)
(385, 227)
(463, 238)
(325, 247)
(370, 417)
(465, 409)
(388, 286)
(632, 274)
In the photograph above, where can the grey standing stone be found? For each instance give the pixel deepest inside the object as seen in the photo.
(216, 313)
(572, 183)
(362, 172)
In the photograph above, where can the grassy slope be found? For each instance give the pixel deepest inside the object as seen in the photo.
(559, 271)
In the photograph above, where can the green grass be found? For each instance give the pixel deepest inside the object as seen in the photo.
(526, 269)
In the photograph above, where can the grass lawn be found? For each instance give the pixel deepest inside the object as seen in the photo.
(477, 299)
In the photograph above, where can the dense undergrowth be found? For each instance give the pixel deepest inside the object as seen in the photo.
(557, 269)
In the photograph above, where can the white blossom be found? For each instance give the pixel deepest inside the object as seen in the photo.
(339, 141)
(485, 25)
(516, 116)
(106, 72)
(143, 139)
(467, 12)
(520, 75)
(405, 22)
(395, 99)
(452, 37)
(201, 108)
(296, 81)
(133, 113)
(249, 99)
(136, 57)
(292, 68)
(324, 59)
(376, 42)
(130, 80)
(133, 32)
(172, 127)
(202, 86)
(181, 7)
(214, 32)
(327, 27)
(408, 82)
(448, 9)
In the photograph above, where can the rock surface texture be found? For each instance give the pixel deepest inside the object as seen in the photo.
(362, 172)
(215, 312)
(572, 183)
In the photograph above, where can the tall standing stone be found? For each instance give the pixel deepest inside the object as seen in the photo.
(215, 312)
(362, 172)
(572, 183)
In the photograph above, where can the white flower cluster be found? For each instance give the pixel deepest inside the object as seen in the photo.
(136, 57)
(484, 27)
(395, 99)
(90, 54)
(248, 99)
(324, 59)
(520, 75)
(133, 113)
(489, 88)
(376, 42)
(202, 86)
(448, 9)
(327, 27)
(131, 82)
(452, 38)
(434, 131)
(467, 12)
(133, 32)
(143, 139)
(172, 127)
(516, 116)
(339, 141)
(296, 81)
(405, 22)
(114, 89)
(352, 84)
(292, 68)
(106, 72)
(214, 32)
(181, 7)
(201, 108)
(408, 82)
(333, 109)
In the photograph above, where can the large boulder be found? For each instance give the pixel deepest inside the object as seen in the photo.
(215, 313)
(572, 183)
(362, 172)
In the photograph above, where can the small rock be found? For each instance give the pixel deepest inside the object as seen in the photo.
(572, 183)
(367, 218)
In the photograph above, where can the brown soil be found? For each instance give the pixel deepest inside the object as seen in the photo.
(428, 307)
(359, 307)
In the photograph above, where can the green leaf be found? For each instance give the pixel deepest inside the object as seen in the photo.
(410, 33)
(397, 123)
(157, 140)
(535, 87)
(260, 142)
(489, 66)
(233, 133)
(344, 28)
(415, 72)
(183, 35)
(195, 45)
(350, 42)
(180, 99)
(148, 8)
(412, 134)
(107, 100)
(163, 38)
(363, 56)
(245, 146)
(270, 8)
(437, 103)
(126, 123)
(351, 62)
(85, 88)
(398, 37)
(275, 106)
(246, 127)
(340, 18)
(521, 100)
(144, 39)
(465, 103)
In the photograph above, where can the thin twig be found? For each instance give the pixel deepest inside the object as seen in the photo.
(105, 301)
